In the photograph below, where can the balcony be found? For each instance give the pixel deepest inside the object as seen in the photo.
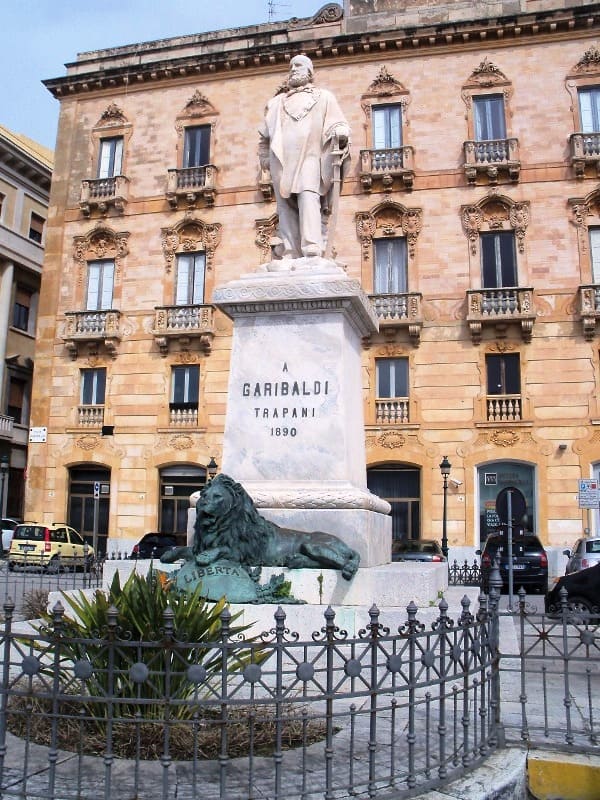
(90, 416)
(94, 329)
(492, 158)
(400, 311)
(184, 324)
(391, 410)
(6, 426)
(385, 165)
(183, 416)
(589, 309)
(499, 308)
(585, 151)
(191, 185)
(103, 193)
(504, 408)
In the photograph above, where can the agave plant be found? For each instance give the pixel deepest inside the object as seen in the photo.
(144, 646)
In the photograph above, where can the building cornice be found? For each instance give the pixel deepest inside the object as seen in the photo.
(272, 44)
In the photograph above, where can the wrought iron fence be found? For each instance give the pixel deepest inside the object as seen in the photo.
(464, 574)
(381, 713)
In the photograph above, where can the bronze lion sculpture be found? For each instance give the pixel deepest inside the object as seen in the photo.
(229, 527)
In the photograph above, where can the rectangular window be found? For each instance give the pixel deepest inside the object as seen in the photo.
(110, 159)
(185, 382)
(489, 117)
(392, 377)
(589, 110)
(36, 228)
(100, 285)
(17, 395)
(21, 309)
(595, 253)
(390, 266)
(190, 279)
(93, 386)
(503, 374)
(387, 127)
(498, 259)
(196, 148)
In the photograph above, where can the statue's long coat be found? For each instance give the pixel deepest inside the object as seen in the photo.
(300, 125)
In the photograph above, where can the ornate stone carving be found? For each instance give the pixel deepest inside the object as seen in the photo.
(101, 242)
(389, 219)
(385, 84)
(308, 498)
(391, 440)
(589, 62)
(191, 235)
(265, 230)
(112, 116)
(487, 74)
(504, 438)
(332, 12)
(87, 442)
(495, 212)
(181, 442)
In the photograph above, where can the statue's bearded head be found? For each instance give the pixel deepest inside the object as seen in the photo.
(301, 71)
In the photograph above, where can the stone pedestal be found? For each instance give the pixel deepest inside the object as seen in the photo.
(294, 429)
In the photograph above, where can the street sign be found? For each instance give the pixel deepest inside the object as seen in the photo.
(588, 493)
(97, 489)
(38, 434)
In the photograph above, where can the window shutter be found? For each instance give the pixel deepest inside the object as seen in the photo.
(199, 264)
(182, 291)
(93, 286)
(118, 157)
(586, 111)
(108, 270)
(395, 124)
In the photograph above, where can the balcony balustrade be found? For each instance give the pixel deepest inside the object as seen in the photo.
(191, 185)
(93, 329)
(400, 311)
(90, 416)
(6, 426)
(504, 408)
(104, 193)
(184, 324)
(386, 164)
(589, 309)
(183, 417)
(491, 158)
(391, 410)
(585, 151)
(499, 308)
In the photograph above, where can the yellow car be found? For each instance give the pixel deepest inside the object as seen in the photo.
(52, 547)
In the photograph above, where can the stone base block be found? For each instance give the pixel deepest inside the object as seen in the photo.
(367, 532)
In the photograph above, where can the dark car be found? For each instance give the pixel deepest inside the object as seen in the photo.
(529, 559)
(153, 545)
(583, 592)
(417, 550)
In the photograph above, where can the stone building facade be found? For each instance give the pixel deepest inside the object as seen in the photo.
(25, 174)
(471, 214)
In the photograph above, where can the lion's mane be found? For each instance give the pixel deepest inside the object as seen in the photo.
(240, 529)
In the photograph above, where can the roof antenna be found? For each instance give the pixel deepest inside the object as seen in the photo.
(273, 8)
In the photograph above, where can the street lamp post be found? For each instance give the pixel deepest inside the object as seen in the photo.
(4, 464)
(445, 468)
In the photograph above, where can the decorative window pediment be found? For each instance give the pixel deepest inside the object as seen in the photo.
(111, 117)
(389, 219)
(100, 243)
(485, 76)
(588, 64)
(495, 212)
(197, 108)
(190, 235)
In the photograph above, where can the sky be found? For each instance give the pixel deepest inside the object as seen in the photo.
(38, 37)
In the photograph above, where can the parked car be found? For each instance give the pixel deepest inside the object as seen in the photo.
(417, 550)
(52, 547)
(530, 562)
(585, 553)
(153, 545)
(8, 527)
(583, 588)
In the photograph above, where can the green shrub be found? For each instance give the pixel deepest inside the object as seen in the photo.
(129, 626)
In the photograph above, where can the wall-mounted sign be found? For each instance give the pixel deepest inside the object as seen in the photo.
(588, 493)
(38, 434)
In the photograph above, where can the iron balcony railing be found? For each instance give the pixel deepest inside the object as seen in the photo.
(184, 324)
(504, 408)
(387, 164)
(192, 183)
(392, 410)
(585, 149)
(401, 310)
(491, 156)
(92, 328)
(498, 307)
(102, 193)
